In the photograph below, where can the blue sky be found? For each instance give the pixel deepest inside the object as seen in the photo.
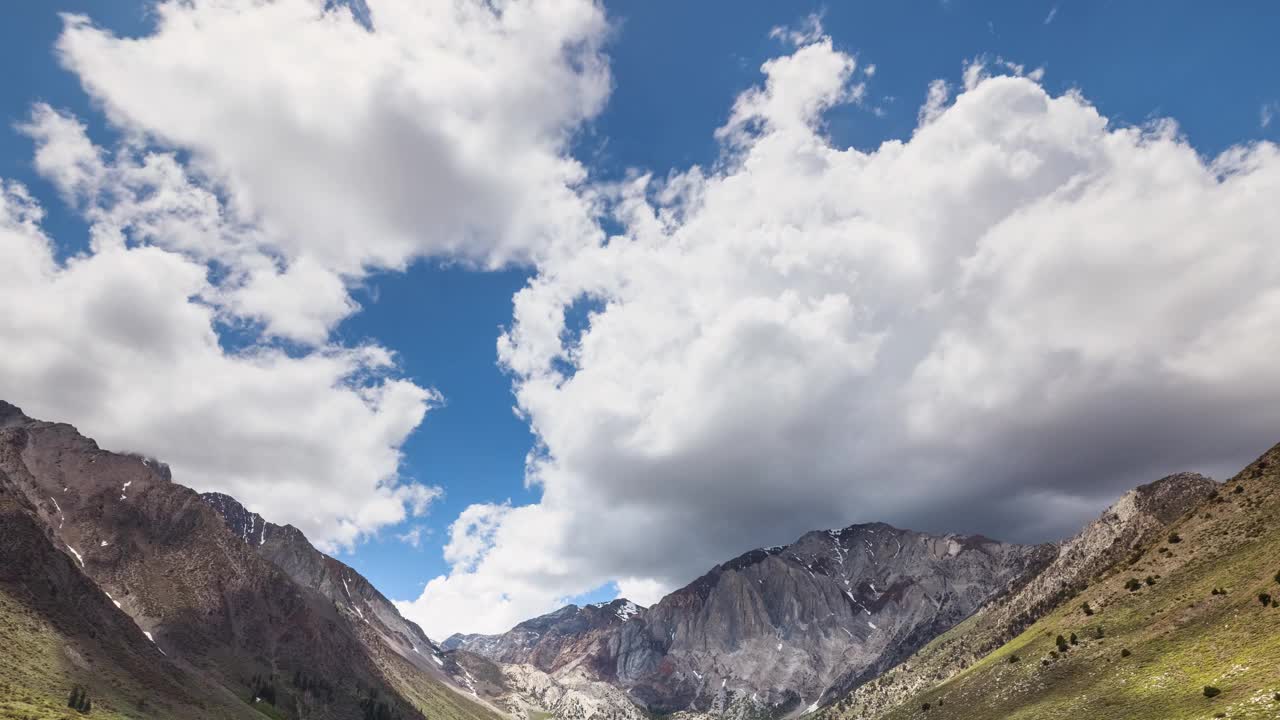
(676, 68)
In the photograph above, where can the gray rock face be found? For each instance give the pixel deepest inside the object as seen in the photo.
(782, 627)
(1139, 518)
(288, 549)
(551, 641)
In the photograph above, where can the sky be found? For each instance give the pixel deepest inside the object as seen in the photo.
(511, 304)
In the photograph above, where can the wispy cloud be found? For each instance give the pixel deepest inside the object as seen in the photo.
(414, 535)
(1267, 113)
(1053, 13)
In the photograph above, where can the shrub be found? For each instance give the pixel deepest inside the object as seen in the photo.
(1099, 633)
(1150, 581)
(1174, 538)
(1062, 644)
(1278, 577)
(1013, 659)
(1211, 691)
(1125, 652)
(1089, 611)
(79, 700)
(1133, 585)
(1239, 489)
(1264, 598)
(1074, 640)
(925, 707)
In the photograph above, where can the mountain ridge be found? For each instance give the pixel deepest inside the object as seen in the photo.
(778, 628)
(207, 598)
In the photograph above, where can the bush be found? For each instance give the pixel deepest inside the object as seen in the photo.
(1013, 659)
(1074, 640)
(1099, 633)
(1211, 691)
(1125, 652)
(1174, 538)
(1264, 598)
(925, 707)
(1133, 585)
(1239, 489)
(1150, 581)
(1089, 611)
(1278, 577)
(79, 700)
(1062, 644)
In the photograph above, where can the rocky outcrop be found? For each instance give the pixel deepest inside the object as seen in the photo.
(552, 641)
(779, 628)
(1138, 519)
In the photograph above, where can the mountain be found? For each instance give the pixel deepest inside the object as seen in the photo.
(1178, 621)
(1138, 518)
(553, 640)
(59, 632)
(275, 636)
(776, 629)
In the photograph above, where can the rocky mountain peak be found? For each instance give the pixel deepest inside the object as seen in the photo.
(777, 627)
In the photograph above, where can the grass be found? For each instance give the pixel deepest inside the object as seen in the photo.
(37, 674)
(1181, 636)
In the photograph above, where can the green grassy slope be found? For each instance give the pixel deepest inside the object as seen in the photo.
(1180, 635)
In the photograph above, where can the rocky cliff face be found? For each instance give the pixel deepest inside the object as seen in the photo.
(354, 596)
(1134, 522)
(552, 641)
(206, 596)
(777, 628)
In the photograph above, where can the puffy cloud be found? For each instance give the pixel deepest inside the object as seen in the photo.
(118, 341)
(270, 155)
(437, 128)
(997, 324)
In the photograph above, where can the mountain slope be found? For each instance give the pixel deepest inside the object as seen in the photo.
(1131, 523)
(1180, 614)
(59, 632)
(413, 664)
(775, 629)
(209, 599)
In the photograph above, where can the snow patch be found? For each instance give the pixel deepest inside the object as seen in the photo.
(77, 554)
(104, 543)
(153, 642)
(871, 625)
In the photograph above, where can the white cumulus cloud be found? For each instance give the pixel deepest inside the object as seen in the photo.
(267, 157)
(997, 324)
